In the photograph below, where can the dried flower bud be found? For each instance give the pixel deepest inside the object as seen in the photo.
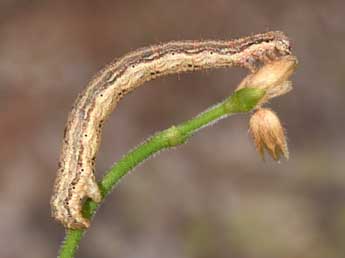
(272, 77)
(268, 133)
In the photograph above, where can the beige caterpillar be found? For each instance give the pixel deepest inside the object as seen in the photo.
(75, 178)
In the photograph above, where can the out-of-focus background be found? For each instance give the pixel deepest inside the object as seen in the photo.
(212, 197)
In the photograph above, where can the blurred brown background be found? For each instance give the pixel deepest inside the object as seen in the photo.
(212, 197)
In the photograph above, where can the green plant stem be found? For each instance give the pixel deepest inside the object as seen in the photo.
(242, 100)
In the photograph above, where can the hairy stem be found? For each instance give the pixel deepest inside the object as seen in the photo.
(242, 100)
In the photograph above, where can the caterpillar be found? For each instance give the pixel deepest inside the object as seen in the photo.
(75, 178)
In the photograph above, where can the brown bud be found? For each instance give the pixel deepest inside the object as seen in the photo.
(268, 133)
(272, 77)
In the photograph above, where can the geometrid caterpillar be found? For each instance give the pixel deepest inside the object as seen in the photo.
(75, 178)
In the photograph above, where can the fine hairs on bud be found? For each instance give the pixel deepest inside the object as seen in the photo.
(272, 77)
(268, 133)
